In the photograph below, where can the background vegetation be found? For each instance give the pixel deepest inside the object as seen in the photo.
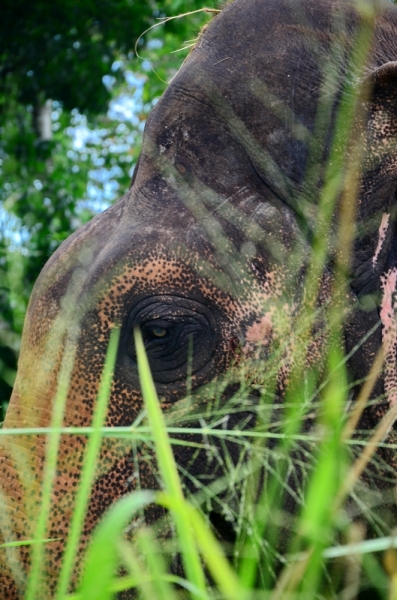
(73, 102)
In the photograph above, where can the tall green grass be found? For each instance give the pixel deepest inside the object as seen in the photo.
(309, 567)
(210, 572)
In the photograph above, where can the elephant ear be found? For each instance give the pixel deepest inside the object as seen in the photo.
(375, 250)
(382, 125)
(375, 254)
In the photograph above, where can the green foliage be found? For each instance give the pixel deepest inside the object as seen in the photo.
(79, 57)
(62, 49)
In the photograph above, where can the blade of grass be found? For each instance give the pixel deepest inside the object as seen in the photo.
(52, 449)
(361, 463)
(122, 584)
(364, 547)
(88, 468)
(217, 564)
(102, 555)
(28, 542)
(168, 470)
(151, 577)
(219, 567)
(317, 520)
(364, 395)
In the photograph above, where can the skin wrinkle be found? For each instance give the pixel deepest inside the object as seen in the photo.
(239, 133)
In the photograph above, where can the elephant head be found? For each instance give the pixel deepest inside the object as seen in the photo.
(243, 171)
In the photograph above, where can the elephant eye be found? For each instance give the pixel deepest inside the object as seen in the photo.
(158, 332)
(176, 331)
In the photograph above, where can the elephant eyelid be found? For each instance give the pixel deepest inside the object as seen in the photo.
(154, 333)
(158, 332)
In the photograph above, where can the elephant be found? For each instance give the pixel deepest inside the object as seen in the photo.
(269, 162)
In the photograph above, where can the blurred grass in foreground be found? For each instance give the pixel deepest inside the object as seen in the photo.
(320, 549)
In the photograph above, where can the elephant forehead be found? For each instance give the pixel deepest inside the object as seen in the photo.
(197, 282)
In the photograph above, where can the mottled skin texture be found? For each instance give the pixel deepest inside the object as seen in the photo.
(211, 242)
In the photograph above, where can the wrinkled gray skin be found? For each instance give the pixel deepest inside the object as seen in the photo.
(211, 244)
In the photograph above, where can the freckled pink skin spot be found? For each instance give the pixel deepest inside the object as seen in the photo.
(389, 333)
(384, 224)
(258, 333)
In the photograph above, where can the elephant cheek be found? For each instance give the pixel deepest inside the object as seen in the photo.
(20, 471)
(35, 388)
(22, 457)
